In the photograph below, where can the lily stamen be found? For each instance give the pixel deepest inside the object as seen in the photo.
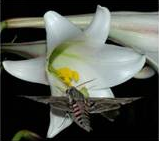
(67, 75)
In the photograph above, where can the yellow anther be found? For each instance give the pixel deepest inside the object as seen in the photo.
(68, 75)
(75, 75)
(67, 81)
(64, 72)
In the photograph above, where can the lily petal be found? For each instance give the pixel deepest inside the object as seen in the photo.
(107, 93)
(141, 41)
(58, 122)
(139, 31)
(32, 70)
(58, 29)
(145, 73)
(99, 27)
(109, 65)
(152, 58)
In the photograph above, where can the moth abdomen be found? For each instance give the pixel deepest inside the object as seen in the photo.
(81, 115)
(76, 110)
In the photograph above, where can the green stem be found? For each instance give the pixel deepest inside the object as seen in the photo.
(36, 22)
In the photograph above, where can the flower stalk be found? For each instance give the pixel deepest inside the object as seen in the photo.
(80, 20)
(38, 22)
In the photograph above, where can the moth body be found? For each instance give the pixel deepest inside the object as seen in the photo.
(77, 103)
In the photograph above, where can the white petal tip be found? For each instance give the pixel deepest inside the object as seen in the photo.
(145, 73)
(104, 9)
(58, 123)
(100, 7)
(5, 65)
(99, 27)
(50, 14)
(8, 67)
(29, 70)
(12, 68)
(58, 29)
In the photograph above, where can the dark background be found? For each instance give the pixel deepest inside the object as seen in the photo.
(138, 121)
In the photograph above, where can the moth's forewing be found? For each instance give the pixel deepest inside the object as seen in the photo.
(123, 101)
(41, 99)
(100, 105)
(60, 107)
(60, 103)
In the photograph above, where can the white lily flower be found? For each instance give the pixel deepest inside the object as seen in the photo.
(74, 57)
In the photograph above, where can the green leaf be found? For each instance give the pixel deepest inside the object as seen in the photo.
(26, 134)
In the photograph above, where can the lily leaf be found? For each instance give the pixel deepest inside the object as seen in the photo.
(27, 135)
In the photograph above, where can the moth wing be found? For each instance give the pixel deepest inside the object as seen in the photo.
(99, 105)
(111, 115)
(60, 103)
(122, 101)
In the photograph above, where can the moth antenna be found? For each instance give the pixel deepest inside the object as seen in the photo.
(92, 87)
(85, 83)
(67, 115)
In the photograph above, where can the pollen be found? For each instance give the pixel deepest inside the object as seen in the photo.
(67, 75)
(75, 76)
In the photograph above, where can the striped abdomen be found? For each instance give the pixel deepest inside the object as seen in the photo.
(81, 116)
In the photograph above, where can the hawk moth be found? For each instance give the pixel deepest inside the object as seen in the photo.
(80, 107)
